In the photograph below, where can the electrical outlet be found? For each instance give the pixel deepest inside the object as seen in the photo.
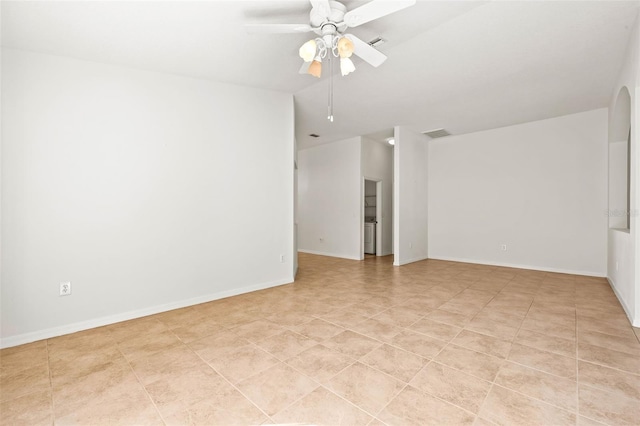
(282, 258)
(503, 247)
(65, 288)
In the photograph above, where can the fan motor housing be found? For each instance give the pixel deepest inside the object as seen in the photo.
(336, 15)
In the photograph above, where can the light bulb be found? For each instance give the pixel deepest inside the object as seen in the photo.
(346, 66)
(308, 50)
(315, 69)
(345, 47)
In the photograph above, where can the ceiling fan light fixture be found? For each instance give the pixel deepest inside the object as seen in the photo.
(315, 69)
(345, 47)
(346, 66)
(308, 50)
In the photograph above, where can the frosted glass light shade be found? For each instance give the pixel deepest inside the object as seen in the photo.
(315, 69)
(345, 47)
(346, 66)
(308, 51)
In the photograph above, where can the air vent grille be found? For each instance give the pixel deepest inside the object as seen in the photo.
(436, 133)
(377, 41)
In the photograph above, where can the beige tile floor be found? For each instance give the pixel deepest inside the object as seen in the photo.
(349, 343)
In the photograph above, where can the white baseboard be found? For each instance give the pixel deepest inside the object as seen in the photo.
(48, 333)
(415, 259)
(627, 311)
(529, 267)
(322, 253)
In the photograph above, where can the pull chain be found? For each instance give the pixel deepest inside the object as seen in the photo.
(330, 106)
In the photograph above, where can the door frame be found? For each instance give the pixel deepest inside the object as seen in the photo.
(379, 218)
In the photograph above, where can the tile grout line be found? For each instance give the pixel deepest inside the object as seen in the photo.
(233, 385)
(138, 378)
(53, 405)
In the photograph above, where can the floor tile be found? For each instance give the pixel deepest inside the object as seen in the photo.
(320, 362)
(397, 317)
(505, 407)
(322, 407)
(357, 337)
(286, 344)
(365, 387)
(547, 362)
(628, 345)
(480, 365)
(435, 329)
(551, 389)
(257, 330)
(67, 369)
(276, 388)
(175, 361)
(608, 407)
(177, 392)
(32, 409)
(318, 329)
(13, 359)
(418, 343)
(550, 328)
(375, 329)
(69, 395)
(228, 408)
(219, 345)
(492, 327)
(609, 379)
(482, 343)
(148, 344)
(352, 344)
(191, 332)
(546, 343)
(451, 318)
(344, 318)
(14, 384)
(609, 358)
(242, 363)
(128, 330)
(413, 407)
(395, 362)
(453, 386)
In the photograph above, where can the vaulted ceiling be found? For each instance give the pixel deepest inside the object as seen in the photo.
(461, 65)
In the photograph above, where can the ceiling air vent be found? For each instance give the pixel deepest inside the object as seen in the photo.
(377, 42)
(313, 135)
(436, 133)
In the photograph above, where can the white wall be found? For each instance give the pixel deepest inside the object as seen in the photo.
(377, 163)
(330, 199)
(623, 265)
(540, 188)
(410, 191)
(140, 188)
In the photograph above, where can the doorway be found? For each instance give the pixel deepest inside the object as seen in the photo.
(372, 220)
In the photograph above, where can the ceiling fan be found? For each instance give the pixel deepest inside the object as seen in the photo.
(329, 20)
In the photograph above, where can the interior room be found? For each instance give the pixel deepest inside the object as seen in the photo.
(367, 212)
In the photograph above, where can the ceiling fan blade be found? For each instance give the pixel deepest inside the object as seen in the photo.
(304, 69)
(373, 10)
(321, 7)
(366, 52)
(277, 28)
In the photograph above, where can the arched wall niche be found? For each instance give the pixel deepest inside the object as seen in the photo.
(619, 162)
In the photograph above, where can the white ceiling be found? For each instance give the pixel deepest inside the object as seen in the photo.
(462, 65)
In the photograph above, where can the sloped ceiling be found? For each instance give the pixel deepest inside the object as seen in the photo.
(462, 65)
